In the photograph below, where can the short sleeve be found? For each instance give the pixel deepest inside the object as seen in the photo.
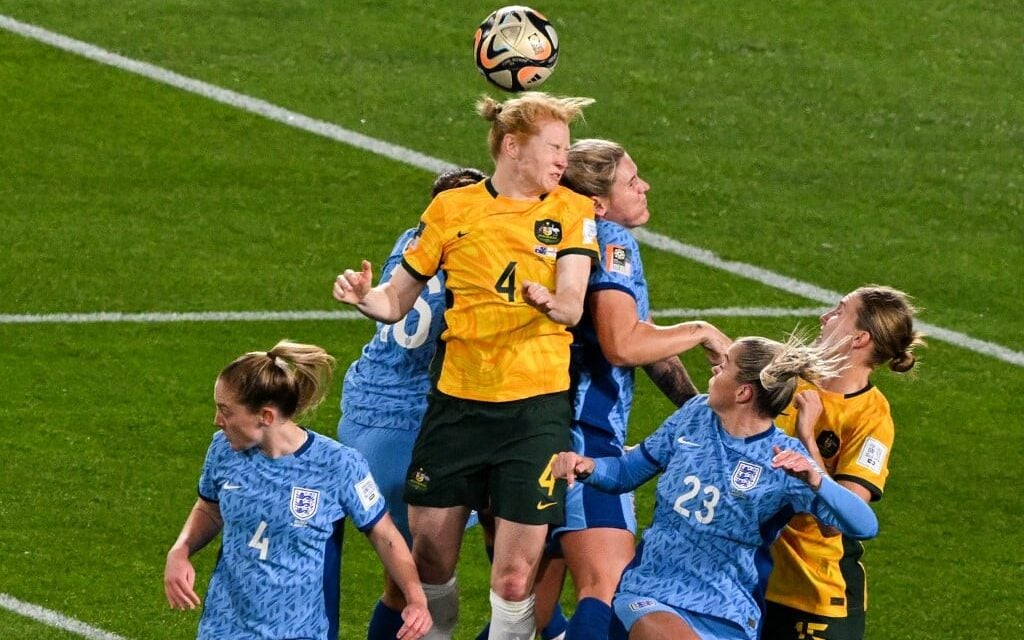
(210, 478)
(618, 264)
(395, 257)
(360, 497)
(579, 229)
(422, 257)
(864, 455)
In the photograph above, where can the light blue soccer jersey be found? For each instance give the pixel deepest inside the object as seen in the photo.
(278, 571)
(604, 393)
(387, 386)
(718, 505)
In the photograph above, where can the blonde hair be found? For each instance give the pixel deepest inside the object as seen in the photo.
(521, 115)
(772, 368)
(888, 317)
(592, 165)
(292, 377)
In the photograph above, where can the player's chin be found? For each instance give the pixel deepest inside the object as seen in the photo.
(236, 445)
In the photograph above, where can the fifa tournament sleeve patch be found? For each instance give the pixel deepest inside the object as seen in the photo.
(589, 231)
(872, 455)
(368, 492)
(617, 260)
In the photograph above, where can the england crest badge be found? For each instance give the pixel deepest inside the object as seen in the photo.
(745, 475)
(304, 502)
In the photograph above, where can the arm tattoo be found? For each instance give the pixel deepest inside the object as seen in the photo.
(670, 376)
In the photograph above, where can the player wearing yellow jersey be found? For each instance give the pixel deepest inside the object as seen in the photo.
(497, 347)
(817, 587)
(517, 251)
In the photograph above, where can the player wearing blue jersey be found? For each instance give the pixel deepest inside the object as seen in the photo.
(279, 495)
(730, 480)
(385, 395)
(615, 336)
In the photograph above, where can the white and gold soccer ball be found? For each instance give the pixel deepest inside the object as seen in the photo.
(516, 48)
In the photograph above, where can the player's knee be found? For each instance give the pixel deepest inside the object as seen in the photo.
(512, 585)
(597, 582)
(434, 564)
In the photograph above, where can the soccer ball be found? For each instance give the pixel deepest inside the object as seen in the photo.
(516, 48)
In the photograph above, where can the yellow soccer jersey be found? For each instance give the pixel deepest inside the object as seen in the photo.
(812, 572)
(496, 347)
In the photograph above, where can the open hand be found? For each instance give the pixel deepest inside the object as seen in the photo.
(797, 465)
(351, 287)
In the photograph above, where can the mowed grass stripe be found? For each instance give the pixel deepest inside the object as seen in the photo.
(422, 161)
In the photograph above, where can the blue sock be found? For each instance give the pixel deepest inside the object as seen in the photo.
(483, 634)
(384, 623)
(618, 630)
(557, 625)
(590, 622)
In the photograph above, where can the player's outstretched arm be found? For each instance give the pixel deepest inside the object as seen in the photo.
(202, 525)
(672, 379)
(611, 474)
(837, 506)
(394, 555)
(630, 341)
(569, 465)
(388, 302)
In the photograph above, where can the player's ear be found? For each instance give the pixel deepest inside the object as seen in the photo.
(860, 339)
(510, 146)
(600, 206)
(744, 393)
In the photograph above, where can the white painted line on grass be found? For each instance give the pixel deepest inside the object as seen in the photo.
(428, 163)
(261, 316)
(54, 619)
(170, 316)
(813, 292)
(741, 312)
(748, 271)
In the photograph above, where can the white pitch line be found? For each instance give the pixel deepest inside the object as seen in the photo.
(428, 163)
(54, 619)
(816, 293)
(171, 316)
(261, 316)
(741, 312)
